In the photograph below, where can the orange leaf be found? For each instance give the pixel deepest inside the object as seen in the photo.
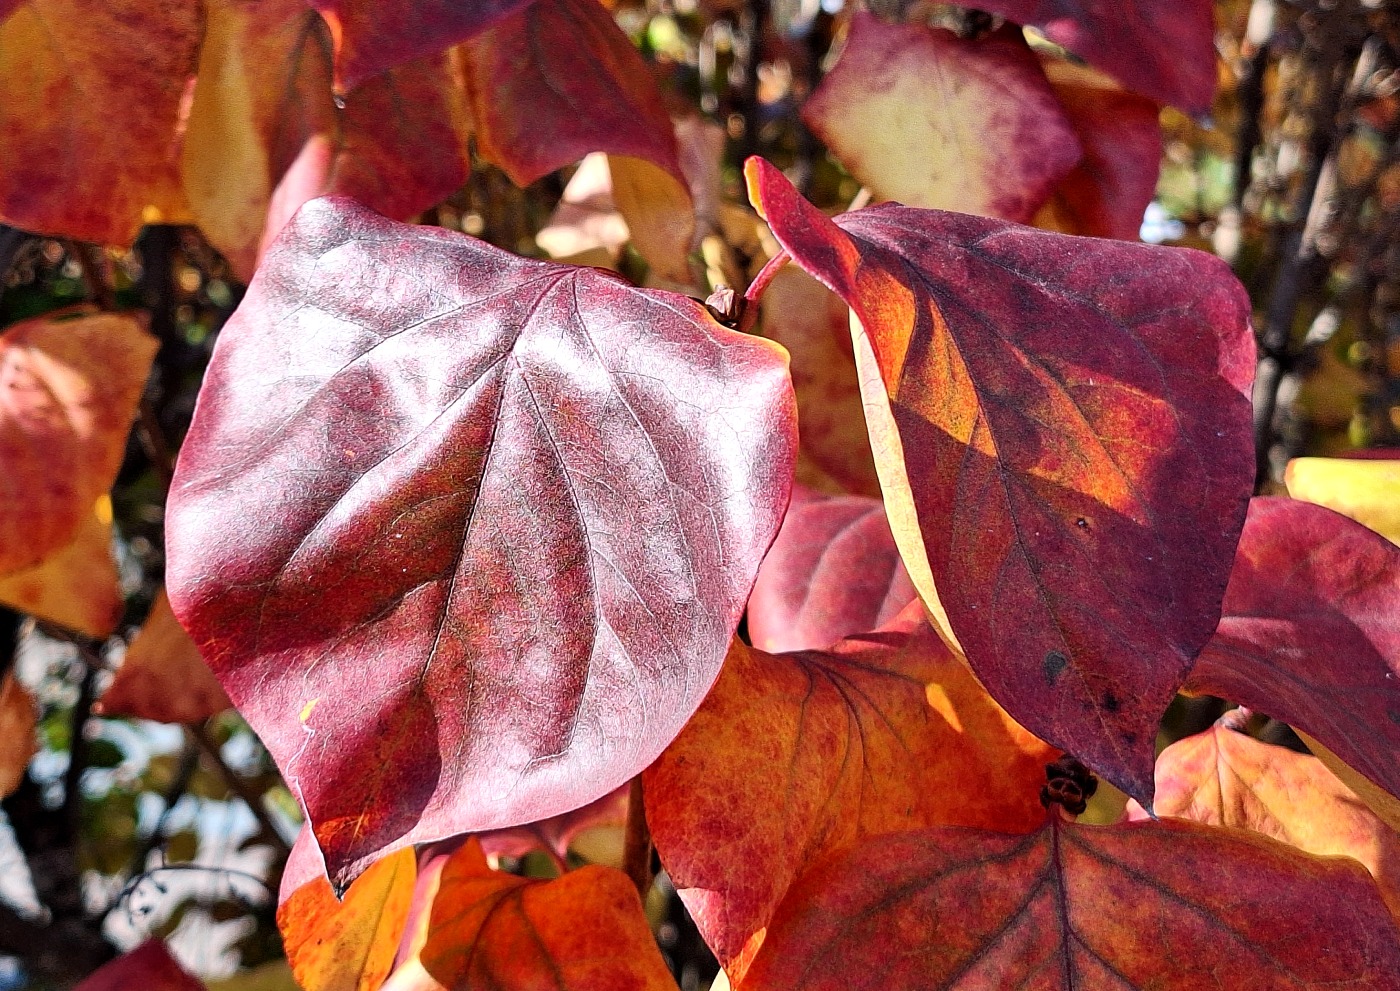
(65, 67)
(583, 930)
(163, 677)
(77, 586)
(350, 945)
(18, 715)
(1166, 906)
(149, 967)
(929, 119)
(794, 756)
(810, 321)
(69, 384)
(1224, 778)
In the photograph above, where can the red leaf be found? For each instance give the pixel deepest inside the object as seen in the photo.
(374, 35)
(65, 65)
(833, 571)
(1311, 633)
(149, 967)
(557, 80)
(465, 535)
(1166, 906)
(1164, 49)
(1062, 427)
(929, 119)
(555, 834)
(1108, 191)
(795, 756)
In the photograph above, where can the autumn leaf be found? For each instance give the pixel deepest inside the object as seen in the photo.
(1164, 49)
(1224, 778)
(795, 756)
(149, 967)
(348, 945)
(77, 586)
(812, 322)
(1311, 633)
(18, 716)
(555, 834)
(833, 571)
(162, 676)
(372, 36)
(69, 385)
(64, 66)
(929, 119)
(1365, 489)
(1108, 191)
(1169, 905)
(565, 486)
(1062, 428)
(585, 929)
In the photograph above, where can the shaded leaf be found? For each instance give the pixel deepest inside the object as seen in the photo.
(64, 66)
(77, 586)
(812, 322)
(794, 756)
(1385, 805)
(924, 117)
(374, 35)
(1365, 489)
(149, 967)
(586, 219)
(833, 571)
(1164, 49)
(556, 833)
(163, 677)
(660, 218)
(557, 80)
(1224, 778)
(1311, 633)
(69, 385)
(18, 716)
(348, 945)
(585, 929)
(1062, 428)
(565, 486)
(1170, 905)
(1108, 192)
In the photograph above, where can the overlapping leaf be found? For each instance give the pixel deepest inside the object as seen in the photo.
(77, 586)
(348, 945)
(69, 385)
(162, 676)
(149, 967)
(1164, 49)
(464, 535)
(585, 929)
(1311, 633)
(64, 66)
(1170, 906)
(1062, 427)
(794, 756)
(833, 571)
(1108, 191)
(1225, 778)
(929, 119)
(18, 715)
(1365, 489)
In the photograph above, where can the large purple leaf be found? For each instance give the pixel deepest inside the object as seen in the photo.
(465, 535)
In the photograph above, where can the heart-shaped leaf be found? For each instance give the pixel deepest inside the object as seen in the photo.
(929, 119)
(794, 756)
(834, 571)
(1311, 633)
(465, 535)
(1166, 906)
(1063, 431)
(1164, 49)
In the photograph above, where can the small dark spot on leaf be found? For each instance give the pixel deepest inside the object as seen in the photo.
(1082, 523)
(1111, 703)
(1055, 662)
(1394, 715)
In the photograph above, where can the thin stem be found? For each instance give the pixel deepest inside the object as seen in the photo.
(239, 787)
(637, 846)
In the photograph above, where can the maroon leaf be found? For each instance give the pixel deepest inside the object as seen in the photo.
(1063, 432)
(465, 535)
(833, 571)
(150, 967)
(374, 35)
(1164, 49)
(1311, 633)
